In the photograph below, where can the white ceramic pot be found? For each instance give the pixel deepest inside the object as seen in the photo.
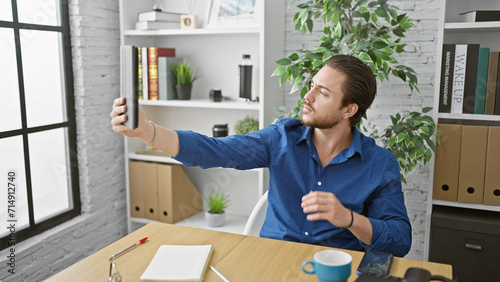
(215, 219)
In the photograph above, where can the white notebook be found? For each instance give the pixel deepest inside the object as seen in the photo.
(178, 263)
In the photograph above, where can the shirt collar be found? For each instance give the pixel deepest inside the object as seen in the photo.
(349, 152)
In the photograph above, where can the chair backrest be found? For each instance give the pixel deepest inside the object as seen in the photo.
(257, 217)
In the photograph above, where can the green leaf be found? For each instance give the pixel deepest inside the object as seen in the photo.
(379, 44)
(283, 62)
(295, 70)
(283, 78)
(327, 55)
(310, 25)
(293, 57)
(363, 56)
(426, 109)
(296, 86)
(374, 18)
(280, 70)
(425, 129)
(401, 137)
(317, 63)
(391, 142)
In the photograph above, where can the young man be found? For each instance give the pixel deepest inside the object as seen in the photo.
(329, 184)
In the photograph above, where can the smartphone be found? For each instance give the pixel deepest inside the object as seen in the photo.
(375, 262)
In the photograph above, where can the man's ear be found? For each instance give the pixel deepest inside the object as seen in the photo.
(350, 110)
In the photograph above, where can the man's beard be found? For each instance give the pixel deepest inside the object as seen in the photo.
(321, 123)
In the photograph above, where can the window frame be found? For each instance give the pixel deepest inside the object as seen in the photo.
(69, 125)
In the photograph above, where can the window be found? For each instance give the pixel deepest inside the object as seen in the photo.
(38, 160)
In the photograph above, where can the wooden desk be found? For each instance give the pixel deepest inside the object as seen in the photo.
(237, 257)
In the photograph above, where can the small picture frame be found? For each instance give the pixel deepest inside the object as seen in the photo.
(232, 13)
(189, 21)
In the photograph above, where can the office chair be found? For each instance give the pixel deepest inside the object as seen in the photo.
(256, 219)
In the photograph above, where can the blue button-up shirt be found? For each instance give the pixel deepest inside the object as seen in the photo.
(364, 177)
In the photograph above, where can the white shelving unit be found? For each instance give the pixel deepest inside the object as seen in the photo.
(450, 31)
(215, 53)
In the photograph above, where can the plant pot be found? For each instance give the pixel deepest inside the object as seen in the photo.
(183, 92)
(215, 219)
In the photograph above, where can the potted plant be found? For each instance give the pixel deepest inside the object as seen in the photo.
(246, 126)
(184, 76)
(217, 203)
(371, 31)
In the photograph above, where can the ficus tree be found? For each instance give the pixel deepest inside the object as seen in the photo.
(373, 32)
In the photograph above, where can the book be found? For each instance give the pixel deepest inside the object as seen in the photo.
(145, 78)
(447, 65)
(482, 77)
(458, 78)
(491, 84)
(159, 16)
(139, 73)
(166, 78)
(470, 79)
(153, 54)
(146, 25)
(480, 16)
(128, 83)
(178, 263)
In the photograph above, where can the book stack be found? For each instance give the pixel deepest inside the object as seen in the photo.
(470, 80)
(155, 77)
(158, 20)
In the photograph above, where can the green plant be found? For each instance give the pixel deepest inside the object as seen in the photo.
(183, 73)
(409, 138)
(246, 125)
(371, 31)
(217, 202)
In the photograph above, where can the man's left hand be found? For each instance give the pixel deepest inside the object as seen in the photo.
(325, 206)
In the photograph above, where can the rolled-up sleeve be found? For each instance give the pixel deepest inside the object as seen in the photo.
(388, 217)
(235, 151)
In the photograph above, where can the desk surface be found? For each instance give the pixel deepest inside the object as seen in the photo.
(237, 257)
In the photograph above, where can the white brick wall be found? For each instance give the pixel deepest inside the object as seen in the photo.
(95, 43)
(394, 96)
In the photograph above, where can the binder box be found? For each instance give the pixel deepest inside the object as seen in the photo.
(447, 162)
(472, 164)
(178, 198)
(492, 174)
(162, 192)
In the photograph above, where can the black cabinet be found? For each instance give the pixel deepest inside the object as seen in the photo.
(467, 239)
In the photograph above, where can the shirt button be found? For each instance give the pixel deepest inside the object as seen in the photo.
(319, 183)
(306, 233)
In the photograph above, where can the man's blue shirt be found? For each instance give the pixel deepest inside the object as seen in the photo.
(364, 177)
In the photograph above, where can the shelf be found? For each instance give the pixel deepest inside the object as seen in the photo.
(469, 117)
(153, 158)
(465, 205)
(234, 223)
(206, 104)
(472, 26)
(197, 31)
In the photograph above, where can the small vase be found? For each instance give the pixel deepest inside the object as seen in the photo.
(183, 92)
(215, 219)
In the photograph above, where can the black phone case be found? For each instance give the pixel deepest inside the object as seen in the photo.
(375, 262)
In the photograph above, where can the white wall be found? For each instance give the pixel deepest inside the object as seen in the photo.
(394, 96)
(95, 44)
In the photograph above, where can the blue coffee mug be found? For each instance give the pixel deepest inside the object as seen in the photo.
(330, 266)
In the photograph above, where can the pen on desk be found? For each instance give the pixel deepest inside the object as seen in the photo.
(219, 274)
(128, 248)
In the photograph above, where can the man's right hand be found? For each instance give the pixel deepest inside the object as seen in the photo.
(118, 116)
